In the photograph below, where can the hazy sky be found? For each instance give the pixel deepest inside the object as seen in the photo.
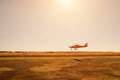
(53, 25)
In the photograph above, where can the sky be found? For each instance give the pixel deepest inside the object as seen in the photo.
(53, 25)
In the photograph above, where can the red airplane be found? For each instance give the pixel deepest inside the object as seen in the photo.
(75, 47)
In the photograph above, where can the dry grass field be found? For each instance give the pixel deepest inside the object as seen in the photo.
(60, 66)
(57, 54)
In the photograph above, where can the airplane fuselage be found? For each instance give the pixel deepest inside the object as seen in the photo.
(75, 47)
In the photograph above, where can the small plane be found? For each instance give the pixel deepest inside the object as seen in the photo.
(76, 46)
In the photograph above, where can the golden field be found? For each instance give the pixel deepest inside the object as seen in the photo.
(60, 66)
(57, 54)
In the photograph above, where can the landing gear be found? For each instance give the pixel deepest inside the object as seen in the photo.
(75, 48)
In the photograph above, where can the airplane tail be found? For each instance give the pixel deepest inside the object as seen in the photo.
(86, 45)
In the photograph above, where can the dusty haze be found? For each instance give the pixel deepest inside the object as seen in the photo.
(53, 25)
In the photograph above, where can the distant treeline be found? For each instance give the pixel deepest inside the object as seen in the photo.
(56, 52)
(5, 51)
(15, 52)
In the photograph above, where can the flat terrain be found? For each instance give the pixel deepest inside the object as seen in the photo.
(60, 68)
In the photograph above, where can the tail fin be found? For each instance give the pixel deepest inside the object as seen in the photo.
(86, 45)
